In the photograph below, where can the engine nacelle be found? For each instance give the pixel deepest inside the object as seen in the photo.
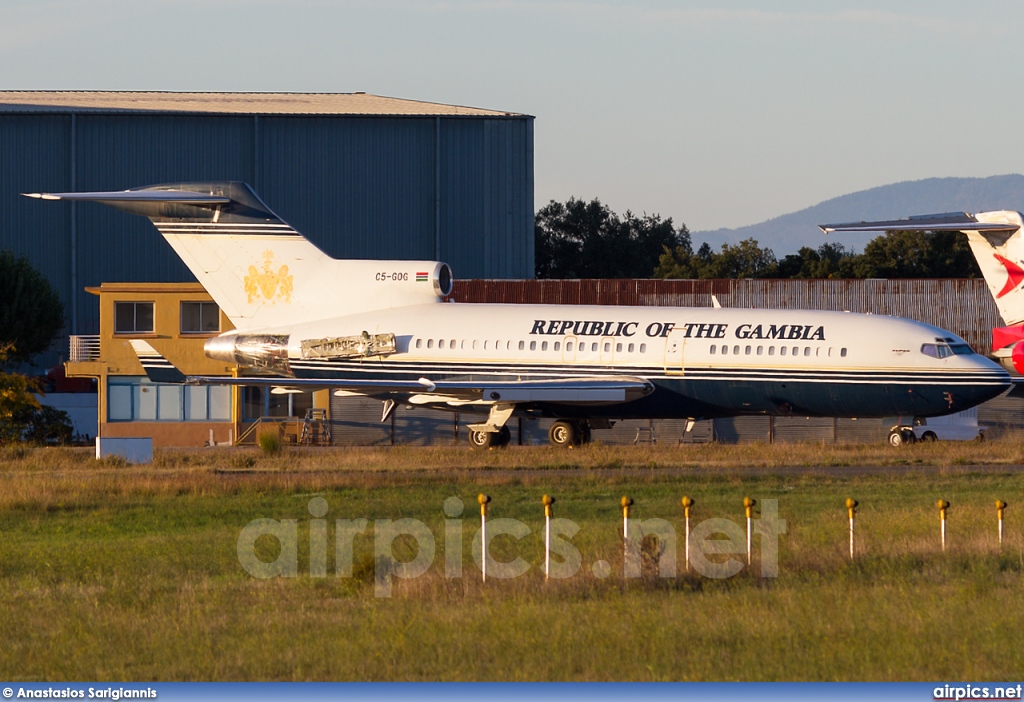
(263, 351)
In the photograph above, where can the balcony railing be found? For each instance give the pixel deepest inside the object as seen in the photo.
(84, 347)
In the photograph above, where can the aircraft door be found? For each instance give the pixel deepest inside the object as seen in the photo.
(674, 344)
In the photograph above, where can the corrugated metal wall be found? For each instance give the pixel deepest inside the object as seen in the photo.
(457, 188)
(963, 306)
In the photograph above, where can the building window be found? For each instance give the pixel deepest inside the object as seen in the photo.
(136, 399)
(133, 317)
(200, 318)
(260, 402)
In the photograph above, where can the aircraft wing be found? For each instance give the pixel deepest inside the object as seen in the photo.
(602, 390)
(947, 222)
(567, 390)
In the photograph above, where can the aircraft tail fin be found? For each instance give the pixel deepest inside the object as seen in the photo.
(996, 239)
(261, 271)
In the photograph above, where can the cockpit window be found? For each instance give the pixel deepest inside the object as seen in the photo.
(946, 350)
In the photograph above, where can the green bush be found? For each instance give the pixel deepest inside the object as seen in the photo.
(269, 442)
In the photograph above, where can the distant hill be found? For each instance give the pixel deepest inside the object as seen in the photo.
(786, 234)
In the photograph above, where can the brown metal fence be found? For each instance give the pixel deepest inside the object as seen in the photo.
(964, 306)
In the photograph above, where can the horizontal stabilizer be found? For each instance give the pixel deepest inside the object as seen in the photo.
(158, 369)
(176, 196)
(947, 222)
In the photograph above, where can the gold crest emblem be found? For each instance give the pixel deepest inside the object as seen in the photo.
(267, 283)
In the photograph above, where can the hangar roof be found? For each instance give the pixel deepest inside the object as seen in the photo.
(230, 103)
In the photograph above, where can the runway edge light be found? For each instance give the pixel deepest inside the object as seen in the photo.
(688, 503)
(943, 505)
(851, 508)
(547, 501)
(748, 505)
(483, 500)
(1000, 507)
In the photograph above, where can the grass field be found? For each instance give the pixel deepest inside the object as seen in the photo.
(113, 572)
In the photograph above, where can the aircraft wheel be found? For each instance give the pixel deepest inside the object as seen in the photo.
(563, 434)
(481, 439)
(504, 437)
(929, 436)
(896, 438)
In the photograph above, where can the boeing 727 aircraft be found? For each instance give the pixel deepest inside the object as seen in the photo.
(383, 329)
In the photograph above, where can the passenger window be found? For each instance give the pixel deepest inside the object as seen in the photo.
(725, 350)
(593, 347)
(485, 344)
(747, 351)
(558, 345)
(568, 346)
(544, 346)
(643, 348)
(796, 350)
(807, 350)
(440, 343)
(713, 347)
(817, 351)
(736, 350)
(618, 348)
(760, 350)
(631, 347)
(771, 350)
(533, 345)
(607, 347)
(474, 344)
(430, 343)
(522, 345)
(419, 343)
(842, 352)
(782, 350)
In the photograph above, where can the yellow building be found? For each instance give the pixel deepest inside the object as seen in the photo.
(176, 319)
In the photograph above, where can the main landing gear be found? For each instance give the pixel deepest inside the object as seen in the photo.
(490, 439)
(563, 433)
(569, 434)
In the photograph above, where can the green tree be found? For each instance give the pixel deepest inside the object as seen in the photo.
(830, 260)
(31, 314)
(578, 239)
(917, 254)
(17, 401)
(743, 260)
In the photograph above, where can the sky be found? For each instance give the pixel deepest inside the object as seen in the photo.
(717, 114)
